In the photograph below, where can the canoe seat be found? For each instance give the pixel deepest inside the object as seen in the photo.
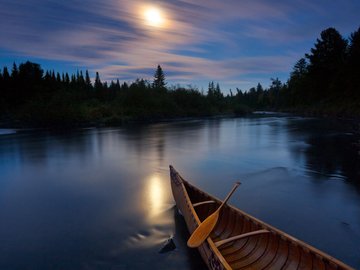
(236, 237)
(204, 202)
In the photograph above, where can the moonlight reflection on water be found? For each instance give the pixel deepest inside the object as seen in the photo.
(101, 198)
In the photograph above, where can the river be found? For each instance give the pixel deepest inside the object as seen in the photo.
(100, 198)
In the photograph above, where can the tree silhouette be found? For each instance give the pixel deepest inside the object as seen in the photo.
(329, 52)
(354, 48)
(98, 84)
(14, 72)
(87, 79)
(325, 81)
(6, 75)
(159, 78)
(353, 66)
(326, 60)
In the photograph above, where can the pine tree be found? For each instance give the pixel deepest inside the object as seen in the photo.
(354, 48)
(159, 78)
(353, 66)
(14, 72)
(67, 78)
(87, 79)
(211, 89)
(6, 75)
(81, 79)
(98, 85)
(329, 52)
(327, 61)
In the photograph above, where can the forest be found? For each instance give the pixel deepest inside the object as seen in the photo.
(325, 82)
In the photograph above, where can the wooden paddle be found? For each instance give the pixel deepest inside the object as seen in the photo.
(205, 228)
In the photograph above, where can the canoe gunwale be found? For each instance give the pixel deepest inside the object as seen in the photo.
(190, 207)
(290, 240)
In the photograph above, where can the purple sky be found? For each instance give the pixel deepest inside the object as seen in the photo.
(237, 43)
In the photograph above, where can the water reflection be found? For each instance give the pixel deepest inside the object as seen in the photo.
(155, 196)
(103, 195)
(329, 149)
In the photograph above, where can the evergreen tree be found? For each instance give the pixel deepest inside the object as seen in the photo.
(125, 86)
(6, 93)
(274, 92)
(53, 78)
(81, 79)
(58, 77)
(98, 85)
(159, 78)
(6, 75)
(87, 79)
(73, 80)
(14, 72)
(354, 48)
(215, 97)
(353, 66)
(231, 93)
(300, 69)
(67, 78)
(329, 52)
(30, 72)
(299, 90)
(326, 61)
(211, 89)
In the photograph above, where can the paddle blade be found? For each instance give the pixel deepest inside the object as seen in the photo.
(203, 231)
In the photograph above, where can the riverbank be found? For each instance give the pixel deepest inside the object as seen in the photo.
(352, 121)
(111, 122)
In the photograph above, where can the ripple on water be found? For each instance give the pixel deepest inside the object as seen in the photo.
(143, 239)
(7, 131)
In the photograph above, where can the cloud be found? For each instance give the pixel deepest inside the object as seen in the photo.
(229, 41)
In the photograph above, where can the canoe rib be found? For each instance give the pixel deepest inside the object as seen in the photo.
(237, 237)
(240, 241)
(201, 203)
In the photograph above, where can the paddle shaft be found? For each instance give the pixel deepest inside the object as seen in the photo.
(229, 195)
(205, 228)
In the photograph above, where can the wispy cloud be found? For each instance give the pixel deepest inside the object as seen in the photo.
(232, 41)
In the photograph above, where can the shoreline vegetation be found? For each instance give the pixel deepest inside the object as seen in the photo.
(325, 82)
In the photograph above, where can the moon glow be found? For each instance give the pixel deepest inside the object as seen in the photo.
(153, 17)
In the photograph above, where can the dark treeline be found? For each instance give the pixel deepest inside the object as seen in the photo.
(31, 97)
(324, 81)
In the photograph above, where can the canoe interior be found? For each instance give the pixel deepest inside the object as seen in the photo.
(273, 250)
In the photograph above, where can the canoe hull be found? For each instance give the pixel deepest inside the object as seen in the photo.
(192, 221)
(272, 250)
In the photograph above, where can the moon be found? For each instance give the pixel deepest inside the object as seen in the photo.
(153, 17)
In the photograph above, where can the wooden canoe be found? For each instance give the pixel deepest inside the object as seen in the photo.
(240, 241)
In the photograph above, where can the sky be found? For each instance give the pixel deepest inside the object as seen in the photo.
(237, 43)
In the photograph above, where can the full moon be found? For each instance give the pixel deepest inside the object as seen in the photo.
(153, 17)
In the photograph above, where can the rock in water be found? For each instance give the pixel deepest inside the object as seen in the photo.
(168, 246)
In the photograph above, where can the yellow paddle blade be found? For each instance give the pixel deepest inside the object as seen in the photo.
(203, 231)
(205, 228)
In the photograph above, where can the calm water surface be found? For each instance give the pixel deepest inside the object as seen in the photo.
(101, 198)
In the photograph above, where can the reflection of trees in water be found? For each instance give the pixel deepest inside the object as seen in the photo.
(37, 146)
(333, 155)
(213, 129)
(332, 148)
(150, 140)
